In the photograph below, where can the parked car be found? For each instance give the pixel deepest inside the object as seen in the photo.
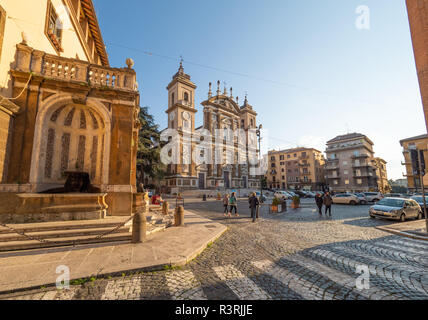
(394, 195)
(420, 202)
(346, 198)
(310, 194)
(396, 208)
(282, 195)
(301, 193)
(362, 197)
(373, 196)
(262, 198)
(292, 193)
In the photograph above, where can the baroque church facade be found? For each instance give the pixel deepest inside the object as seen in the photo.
(220, 154)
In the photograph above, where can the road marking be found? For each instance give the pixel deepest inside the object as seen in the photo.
(243, 287)
(301, 286)
(183, 285)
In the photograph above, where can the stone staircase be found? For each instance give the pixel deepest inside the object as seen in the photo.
(77, 232)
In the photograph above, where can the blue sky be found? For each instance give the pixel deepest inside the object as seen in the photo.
(309, 72)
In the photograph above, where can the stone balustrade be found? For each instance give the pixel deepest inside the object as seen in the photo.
(73, 70)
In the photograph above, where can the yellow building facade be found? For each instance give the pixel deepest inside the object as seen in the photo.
(419, 143)
(298, 168)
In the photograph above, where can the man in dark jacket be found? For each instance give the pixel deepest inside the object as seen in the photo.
(254, 203)
(328, 202)
(319, 201)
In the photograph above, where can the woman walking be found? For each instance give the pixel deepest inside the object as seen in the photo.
(233, 204)
(226, 205)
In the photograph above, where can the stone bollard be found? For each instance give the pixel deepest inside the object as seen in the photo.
(179, 216)
(139, 228)
(204, 197)
(165, 208)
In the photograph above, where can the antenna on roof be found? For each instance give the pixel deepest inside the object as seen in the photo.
(347, 128)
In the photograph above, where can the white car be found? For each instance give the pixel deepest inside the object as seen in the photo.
(373, 196)
(346, 198)
(282, 195)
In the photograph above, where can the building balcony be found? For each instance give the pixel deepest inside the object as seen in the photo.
(361, 165)
(304, 165)
(328, 168)
(79, 72)
(363, 155)
(333, 177)
(332, 160)
(364, 175)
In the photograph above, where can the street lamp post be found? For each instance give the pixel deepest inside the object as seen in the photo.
(258, 132)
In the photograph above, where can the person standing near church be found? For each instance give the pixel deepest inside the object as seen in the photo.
(233, 204)
(254, 203)
(226, 204)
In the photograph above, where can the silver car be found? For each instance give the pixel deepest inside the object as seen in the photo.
(396, 209)
(346, 198)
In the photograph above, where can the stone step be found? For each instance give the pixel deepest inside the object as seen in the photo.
(8, 237)
(109, 222)
(67, 241)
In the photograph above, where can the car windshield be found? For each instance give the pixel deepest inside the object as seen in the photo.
(391, 202)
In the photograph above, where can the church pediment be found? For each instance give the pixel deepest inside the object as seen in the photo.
(223, 102)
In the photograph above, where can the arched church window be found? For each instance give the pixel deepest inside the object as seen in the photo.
(172, 98)
(252, 122)
(186, 97)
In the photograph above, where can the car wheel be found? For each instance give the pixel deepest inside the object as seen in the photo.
(375, 200)
(372, 217)
(352, 202)
(419, 217)
(402, 217)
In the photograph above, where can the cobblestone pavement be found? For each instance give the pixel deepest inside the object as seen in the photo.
(293, 255)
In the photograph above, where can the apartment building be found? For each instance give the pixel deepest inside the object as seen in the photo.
(419, 143)
(351, 166)
(296, 169)
(382, 181)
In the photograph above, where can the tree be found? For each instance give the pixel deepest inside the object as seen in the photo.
(149, 147)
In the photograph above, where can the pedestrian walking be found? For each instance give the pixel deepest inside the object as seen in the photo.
(328, 202)
(319, 201)
(233, 204)
(226, 205)
(254, 203)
